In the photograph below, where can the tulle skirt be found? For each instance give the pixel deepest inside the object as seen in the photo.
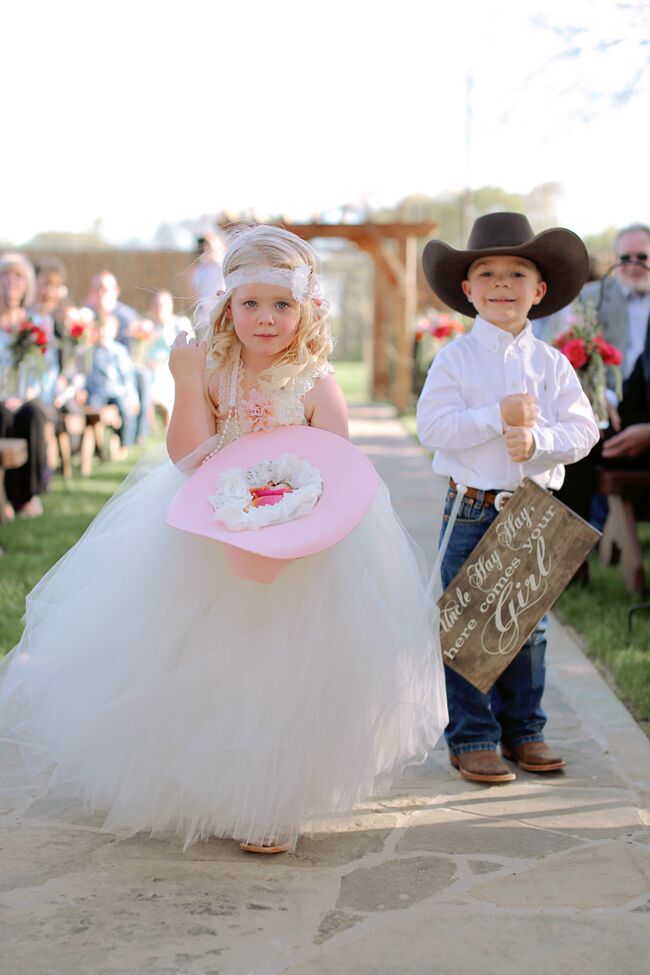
(174, 697)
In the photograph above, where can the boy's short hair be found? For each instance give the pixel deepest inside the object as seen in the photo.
(526, 259)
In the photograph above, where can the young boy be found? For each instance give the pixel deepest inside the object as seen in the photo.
(112, 378)
(499, 405)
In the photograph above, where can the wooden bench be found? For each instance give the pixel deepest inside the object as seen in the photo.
(13, 453)
(620, 541)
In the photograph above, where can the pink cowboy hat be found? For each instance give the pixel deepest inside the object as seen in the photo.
(349, 486)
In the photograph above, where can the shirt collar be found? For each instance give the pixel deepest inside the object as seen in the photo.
(494, 338)
(633, 295)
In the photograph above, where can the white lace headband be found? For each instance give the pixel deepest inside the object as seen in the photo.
(303, 282)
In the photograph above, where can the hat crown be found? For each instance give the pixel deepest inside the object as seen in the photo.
(500, 230)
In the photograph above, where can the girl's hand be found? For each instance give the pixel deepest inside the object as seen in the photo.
(187, 359)
(520, 444)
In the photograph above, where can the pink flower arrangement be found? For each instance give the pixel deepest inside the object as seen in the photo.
(256, 412)
(447, 328)
(441, 327)
(432, 333)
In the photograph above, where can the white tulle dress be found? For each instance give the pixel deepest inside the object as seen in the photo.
(174, 697)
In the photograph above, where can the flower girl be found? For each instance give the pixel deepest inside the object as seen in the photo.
(174, 696)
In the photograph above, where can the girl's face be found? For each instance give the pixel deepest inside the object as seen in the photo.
(265, 318)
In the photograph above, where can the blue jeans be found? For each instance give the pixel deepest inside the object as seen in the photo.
(512, 711)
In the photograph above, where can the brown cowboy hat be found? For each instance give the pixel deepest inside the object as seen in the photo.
(559, 254)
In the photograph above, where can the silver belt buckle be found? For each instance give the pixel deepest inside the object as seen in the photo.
(501, 498)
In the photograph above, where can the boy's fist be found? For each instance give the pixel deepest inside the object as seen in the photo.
(519, 410)
(520, 443)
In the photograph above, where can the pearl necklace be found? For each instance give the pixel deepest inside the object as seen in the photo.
(231, 422)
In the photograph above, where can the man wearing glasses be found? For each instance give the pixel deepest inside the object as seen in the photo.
(622, 300)
(623, 297)
(632, 248)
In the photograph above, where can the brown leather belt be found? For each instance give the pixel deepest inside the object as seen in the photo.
(482, 498)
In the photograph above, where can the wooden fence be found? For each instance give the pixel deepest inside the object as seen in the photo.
(138, 273)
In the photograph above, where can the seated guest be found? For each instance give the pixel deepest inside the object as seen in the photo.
(630, 446)
(111, 378)
(51, 297)
(165, 327)
(26, 389)
(622, 303)
(104, 298)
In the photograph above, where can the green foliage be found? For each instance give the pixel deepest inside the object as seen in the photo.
(454, 212)
(61, 240)
(598, 614)
(601, 248)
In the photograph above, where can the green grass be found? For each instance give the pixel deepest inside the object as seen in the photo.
(598, 616)
(353, 380)
(32, 546)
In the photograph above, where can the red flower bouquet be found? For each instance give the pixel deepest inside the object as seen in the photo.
(78, 334)
(28, 345)
(591, 357)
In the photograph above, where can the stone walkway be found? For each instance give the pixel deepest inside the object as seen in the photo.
(545, 875)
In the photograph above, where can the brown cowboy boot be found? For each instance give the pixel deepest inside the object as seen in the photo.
(482, 766)
(533, 756)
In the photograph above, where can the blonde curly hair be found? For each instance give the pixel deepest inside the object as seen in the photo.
(311, 347)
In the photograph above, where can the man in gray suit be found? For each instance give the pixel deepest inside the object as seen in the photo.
(622, 302)
(623, 298)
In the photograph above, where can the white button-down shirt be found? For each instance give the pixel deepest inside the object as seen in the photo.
(459, 412)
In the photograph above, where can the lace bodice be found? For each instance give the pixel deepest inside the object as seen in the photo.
(261, 409)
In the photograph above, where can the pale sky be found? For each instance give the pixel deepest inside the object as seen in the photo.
(140, 113)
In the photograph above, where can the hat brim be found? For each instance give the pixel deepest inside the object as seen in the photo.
(559, 254)
(349, 486)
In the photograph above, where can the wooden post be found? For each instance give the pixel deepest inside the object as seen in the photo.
(406, 311)
(380, 372)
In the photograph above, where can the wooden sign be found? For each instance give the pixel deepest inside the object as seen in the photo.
(513, 576)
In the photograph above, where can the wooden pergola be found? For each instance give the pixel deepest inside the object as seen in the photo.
(393, 248)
